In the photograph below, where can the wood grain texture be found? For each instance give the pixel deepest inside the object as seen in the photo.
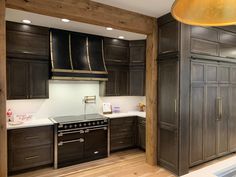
(3, 131)
(151, 96)
(122, 164)
(88, 12)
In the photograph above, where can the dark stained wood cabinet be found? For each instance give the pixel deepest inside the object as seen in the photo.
(196, 91)
(27, 41)
(122, 133)
(27, 79)
(125, 62)
(29, 148)
(141, 133)
(27, 61)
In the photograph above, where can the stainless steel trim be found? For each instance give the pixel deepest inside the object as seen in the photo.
(87, 47)
(79, 71)
(66, 133)
(55, 147)
(80, 78)
(51, 53)
(175, 106)
(72, 67)
(93, 129)
(221, 108)
(103, 58)
(61, 143)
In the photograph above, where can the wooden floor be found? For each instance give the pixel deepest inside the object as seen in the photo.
(129, 163)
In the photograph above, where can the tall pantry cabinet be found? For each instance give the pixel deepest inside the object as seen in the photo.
(197, 89)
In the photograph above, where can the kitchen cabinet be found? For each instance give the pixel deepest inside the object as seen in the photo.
(126, 70)
(27, 79)
(118, 81)
(29, 148)
(196, 87)
(141, 133)
(122, 133)
(27, 41)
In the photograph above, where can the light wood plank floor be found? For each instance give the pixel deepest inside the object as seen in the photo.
(129, 163)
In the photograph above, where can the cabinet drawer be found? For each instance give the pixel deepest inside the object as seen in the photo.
(122, 121)
(204, 47)
(122, 143)
(30, 157)
(29, 137)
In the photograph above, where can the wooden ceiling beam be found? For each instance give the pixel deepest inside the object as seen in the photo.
(88, 12)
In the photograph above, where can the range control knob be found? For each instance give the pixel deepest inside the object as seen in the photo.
(94, 123)
(80, 125)
(71, 126)
(75, 125)
(65, 126)
(89, 124)
(84, 124)
(98, 122)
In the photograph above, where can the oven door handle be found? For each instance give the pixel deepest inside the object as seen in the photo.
(61, 143)
(93, 129)
(72, 132)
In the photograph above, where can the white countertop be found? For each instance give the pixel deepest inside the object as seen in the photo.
(127, 114)
(31, 123)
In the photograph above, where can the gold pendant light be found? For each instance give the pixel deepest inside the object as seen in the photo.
(205, 12)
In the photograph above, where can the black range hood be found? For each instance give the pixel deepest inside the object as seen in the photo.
(77, 56)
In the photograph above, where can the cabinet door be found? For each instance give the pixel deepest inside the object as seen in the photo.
(95, 144)
(232, 119)
(141, 134)
(122, 86)
(17, 79)
(111, 84)
(168, 112)
(210, 131)
(39, 75)
(137, 81)
(222, 126)
(197, 117)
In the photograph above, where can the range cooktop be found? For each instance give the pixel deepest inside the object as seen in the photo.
(79, 118)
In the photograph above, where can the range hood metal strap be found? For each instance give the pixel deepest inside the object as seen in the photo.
(87, 47)
(72, 67)
(51, 52)
(103, 58)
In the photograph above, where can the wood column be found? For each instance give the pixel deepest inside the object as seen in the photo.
(3, 130)
(151, 96)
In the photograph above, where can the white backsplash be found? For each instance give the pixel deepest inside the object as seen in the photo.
(66, 99)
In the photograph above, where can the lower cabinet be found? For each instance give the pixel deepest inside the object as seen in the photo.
(127, 132)
(141, 133)
(122, 133)
(29, 148)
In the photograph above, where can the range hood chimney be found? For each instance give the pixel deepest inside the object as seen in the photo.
(77, 56)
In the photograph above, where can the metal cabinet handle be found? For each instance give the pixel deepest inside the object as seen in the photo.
(32, 157)
(218, 109)
(92, 129)
(81, 140)
(221, 108)
(66, 133)
(175, 106)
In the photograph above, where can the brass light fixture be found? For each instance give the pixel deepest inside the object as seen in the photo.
(205, 12)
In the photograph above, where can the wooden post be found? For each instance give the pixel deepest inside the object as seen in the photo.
(151, 96)
(3, 130)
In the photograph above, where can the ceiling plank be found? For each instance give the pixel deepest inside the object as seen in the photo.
(3, 130)
(87, 12)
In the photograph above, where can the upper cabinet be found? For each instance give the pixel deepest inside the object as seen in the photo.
(116, 51)
(27, 61)
(27, 41)
(137, 52)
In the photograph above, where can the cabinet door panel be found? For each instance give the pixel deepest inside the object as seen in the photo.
(204, 47)
(137, 81)
(232, 119)
(211, 74)
(227, 50)
(233, 75)
(168, 82)
(196, 124)
(204, 33)
(223, 122)
(224, 74)
(210, 131)
(198, 74)
(112, 82)
(39, 75)
(123, 82)
(17, 79)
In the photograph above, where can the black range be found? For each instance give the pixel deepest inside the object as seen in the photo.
(80, 138)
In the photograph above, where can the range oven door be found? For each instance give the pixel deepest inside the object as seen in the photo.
(96, 143)
(70, 148)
